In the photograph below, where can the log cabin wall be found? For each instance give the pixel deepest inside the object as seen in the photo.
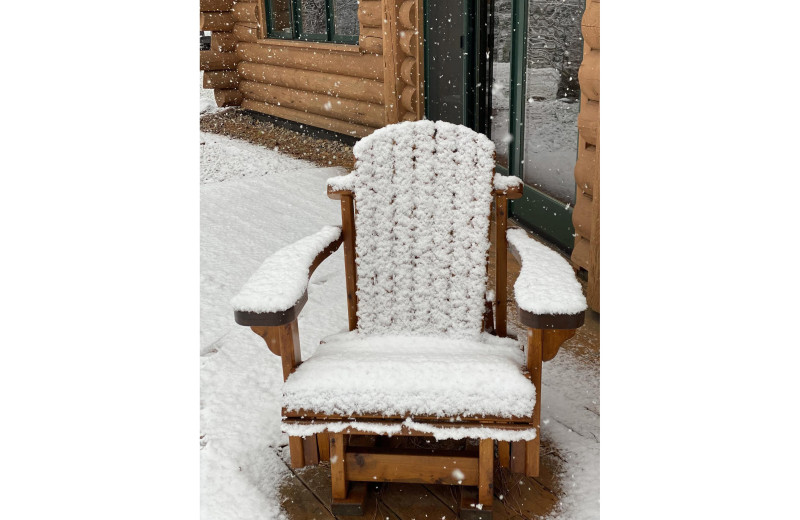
(349, 89)
(586, 215)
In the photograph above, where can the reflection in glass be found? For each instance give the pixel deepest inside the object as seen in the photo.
(501, 80)
(444, 41)
(552, 97)
(345, 17)
(281, 22)
(313, 17)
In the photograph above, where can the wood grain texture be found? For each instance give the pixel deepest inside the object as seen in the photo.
(212, 60)
(245, 12)
(328, 123)
(391, 63)
(324, 446)
(407, 467)
(216, 21)
(370, 13)
(518, 450)
(228, 97)
(307, 57)
(337, 453)
(246, 32)
(586, 214)
(486, 472)
(223, 42)
(503, 453)
(220, 79)
(407, 14)
(349, 110)
(310, 451)
(501, 266)
(336, 85)
(534, 363)
(216, 5)
(349, 237)
(296, 451)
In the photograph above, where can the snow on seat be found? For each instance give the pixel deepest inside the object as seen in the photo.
(396, 375)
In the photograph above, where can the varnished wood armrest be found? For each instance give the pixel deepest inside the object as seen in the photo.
(508, 186)
(263, 302)
(548, 295)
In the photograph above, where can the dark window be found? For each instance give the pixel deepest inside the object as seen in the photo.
(313, 20)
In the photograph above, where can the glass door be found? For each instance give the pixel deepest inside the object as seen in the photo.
(453, 32)
(536, 49)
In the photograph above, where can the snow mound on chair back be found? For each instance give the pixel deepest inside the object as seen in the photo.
(423, 194)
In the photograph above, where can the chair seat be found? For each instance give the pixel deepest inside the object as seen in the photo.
(351, 374)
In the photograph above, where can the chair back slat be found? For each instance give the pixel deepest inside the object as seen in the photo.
(423, 194)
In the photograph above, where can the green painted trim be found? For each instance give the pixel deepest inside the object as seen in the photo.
(547, 216)
(268, 11)
(312, 38)
(297, 19)
(516, 116)
(297, 26)
(467, 52)
(427, 64)
(345, 38)
(329, 18)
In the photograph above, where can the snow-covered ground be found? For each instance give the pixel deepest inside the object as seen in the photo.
(253, 201)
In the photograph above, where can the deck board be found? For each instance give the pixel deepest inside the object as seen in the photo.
(299, 502)
(413, 501)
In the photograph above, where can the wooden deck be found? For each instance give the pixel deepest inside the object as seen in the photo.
(306, 493)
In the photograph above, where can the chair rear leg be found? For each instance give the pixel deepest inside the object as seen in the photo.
(347, 498)
(486, 473)
(480, 507)
(338, 482)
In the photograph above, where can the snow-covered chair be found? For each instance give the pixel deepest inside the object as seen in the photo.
(426, 352)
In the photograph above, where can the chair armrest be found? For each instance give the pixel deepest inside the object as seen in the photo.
(343, 184)
(507, 185)
(278, 290)
(548, 294)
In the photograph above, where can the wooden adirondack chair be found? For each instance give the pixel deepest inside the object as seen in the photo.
(426, 353)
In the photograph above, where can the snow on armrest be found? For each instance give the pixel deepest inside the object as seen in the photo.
(508, 185)
(546, 285)
(282, 280)
(341, 183)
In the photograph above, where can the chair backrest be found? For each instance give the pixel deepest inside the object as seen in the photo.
(423, 194)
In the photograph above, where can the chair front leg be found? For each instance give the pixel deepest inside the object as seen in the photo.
(535, 344)
(338, 481)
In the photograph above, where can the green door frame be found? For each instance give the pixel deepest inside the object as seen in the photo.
(547, 216)
(536, 210)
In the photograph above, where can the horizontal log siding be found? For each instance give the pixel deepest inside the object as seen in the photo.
(307, 118)
(370, 13)
(360, 112)
(216, 21)
(586, 215)
(324, 85)
(216, 5)
(368, 66)
(220, 79)
(348, 87)
(244, 12)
